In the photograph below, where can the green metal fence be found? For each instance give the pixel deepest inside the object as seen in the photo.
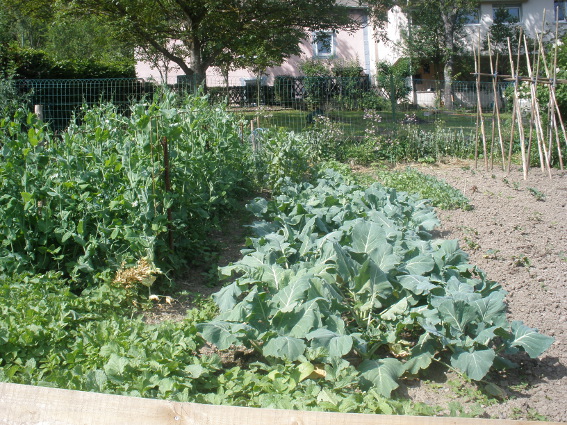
(61, 99)
(294, 103)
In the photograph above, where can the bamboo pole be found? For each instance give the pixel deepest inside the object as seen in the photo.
(507, 77)
(494, 107)
(492, 134)
(496, 111)
(533, 107)
(479, 107)
(555, 113)
(477, 133)
(548, 149)
(541, 51)
(167, 182)
(542, 149)
(555, 81)
(517, 107)
(511, 144)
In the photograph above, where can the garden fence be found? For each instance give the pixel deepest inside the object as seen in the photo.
(293, 103)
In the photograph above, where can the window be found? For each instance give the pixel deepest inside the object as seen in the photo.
(560, 8)
(507, 13)
(472, 17)
(324, 44)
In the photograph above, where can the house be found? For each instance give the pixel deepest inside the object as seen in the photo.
(367, 46)
(534, 16)
(357, 46)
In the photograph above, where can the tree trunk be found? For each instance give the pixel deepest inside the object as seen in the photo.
(448, 83)
(198, 65)
(448, 23)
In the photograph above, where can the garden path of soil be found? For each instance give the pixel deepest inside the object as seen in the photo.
(517, 233)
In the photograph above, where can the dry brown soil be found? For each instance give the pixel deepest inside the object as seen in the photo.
(517, 233)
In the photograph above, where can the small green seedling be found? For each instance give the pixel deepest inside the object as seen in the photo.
(540, 196)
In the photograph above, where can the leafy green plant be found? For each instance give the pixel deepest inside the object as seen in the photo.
(324, 140)
(99, 342)
(438, 192)
(280, 154)
(393, 78)
(336, 272)
(91, 342)
(98, 197)
(538, 194)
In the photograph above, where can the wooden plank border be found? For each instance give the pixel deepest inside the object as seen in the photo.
(29, 405)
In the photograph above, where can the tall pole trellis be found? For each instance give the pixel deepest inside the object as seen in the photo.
(547, 132)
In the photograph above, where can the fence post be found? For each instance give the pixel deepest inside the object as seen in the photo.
(38, 111)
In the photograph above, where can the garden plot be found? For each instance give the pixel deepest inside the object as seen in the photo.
(517, 233)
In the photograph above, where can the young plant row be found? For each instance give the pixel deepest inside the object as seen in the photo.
(112, 189)
(337, 273)
(97, 342)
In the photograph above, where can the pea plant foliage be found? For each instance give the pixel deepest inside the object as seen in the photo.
(336, 273)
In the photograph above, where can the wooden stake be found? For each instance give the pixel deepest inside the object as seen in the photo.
(477, 121)
(517, 107)
(479, 107)
(553, 105)
(38, 111)
(511, 145)
(533, 108)
(167, 179)
(252, 138)
(552, 94)
(543, 156)
(496, 111)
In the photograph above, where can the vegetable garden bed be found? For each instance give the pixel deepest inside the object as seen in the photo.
(342, 299)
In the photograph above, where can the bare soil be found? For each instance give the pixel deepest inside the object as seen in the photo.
(517, 233)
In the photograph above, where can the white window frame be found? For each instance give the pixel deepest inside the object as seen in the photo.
(561, 14)
(316, 44)
(508, 6)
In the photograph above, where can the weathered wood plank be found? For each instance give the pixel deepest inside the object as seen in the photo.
(28, 405)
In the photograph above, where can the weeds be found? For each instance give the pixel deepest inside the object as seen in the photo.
(540, 196)
(438, 192)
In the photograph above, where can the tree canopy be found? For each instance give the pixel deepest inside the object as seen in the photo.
(434, 30)
(43, 39)
(198, 34)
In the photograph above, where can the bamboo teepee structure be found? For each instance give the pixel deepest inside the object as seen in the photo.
(547, 132)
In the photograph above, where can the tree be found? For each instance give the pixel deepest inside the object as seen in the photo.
(504, 27)
(393, 78)
(52, 31)
(85, 39)
(27, 21)
(434, 30)
(206, 30)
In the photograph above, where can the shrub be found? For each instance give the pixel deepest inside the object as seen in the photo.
(34, 64)
(279, 154)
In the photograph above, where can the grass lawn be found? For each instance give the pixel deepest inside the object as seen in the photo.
(353, 124)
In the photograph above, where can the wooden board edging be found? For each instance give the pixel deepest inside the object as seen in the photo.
(29, 405)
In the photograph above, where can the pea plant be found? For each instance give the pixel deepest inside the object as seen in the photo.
(115, 188)
(338, 273)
